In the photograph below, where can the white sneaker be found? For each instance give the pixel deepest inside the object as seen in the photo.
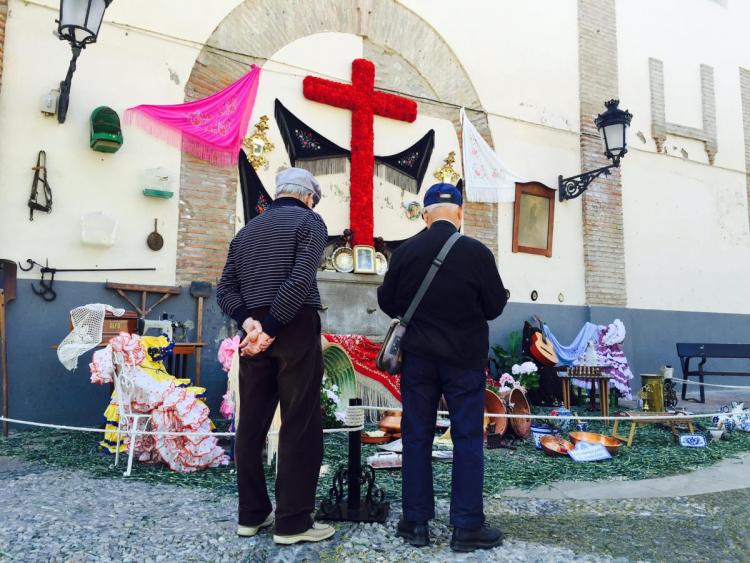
(250, 531)
(318, 532)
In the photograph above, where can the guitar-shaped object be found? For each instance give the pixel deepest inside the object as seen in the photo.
(541, 348)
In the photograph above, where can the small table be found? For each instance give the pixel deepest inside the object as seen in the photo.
(594, 375)
(634, 424)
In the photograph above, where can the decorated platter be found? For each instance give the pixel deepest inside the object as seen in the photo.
(343, 259)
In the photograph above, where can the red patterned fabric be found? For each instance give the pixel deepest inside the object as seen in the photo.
(363, 352)
(365, 103)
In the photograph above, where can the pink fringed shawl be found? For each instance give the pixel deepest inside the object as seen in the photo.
(211, 129)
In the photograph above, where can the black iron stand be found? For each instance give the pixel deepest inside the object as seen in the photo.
(344, 502)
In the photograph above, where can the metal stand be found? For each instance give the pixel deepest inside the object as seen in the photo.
(344, 502)
(3, 361)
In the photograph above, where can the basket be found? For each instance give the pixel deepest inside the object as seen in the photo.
(98, 229)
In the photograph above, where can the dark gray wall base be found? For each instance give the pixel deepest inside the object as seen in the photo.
(42, 390)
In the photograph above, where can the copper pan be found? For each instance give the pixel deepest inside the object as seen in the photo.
(493, 404)
(613, 446)
(555, 446)
(516, 403)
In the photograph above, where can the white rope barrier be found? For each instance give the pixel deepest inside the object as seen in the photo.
(149, 433)
(711, 384)
(354, 421)
(572, 417)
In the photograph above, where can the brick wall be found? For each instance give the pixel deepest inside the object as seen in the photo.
(394, 36)
(660, 127)
(3, 18)
(207, 193)
(603, 241)
(745, 89)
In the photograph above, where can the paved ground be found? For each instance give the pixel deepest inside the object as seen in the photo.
(727, 475)
(54, 515)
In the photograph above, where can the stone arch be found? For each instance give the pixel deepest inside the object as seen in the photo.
(411, 58)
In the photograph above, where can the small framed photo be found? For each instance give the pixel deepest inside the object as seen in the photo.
(533, 218)
(364, 260)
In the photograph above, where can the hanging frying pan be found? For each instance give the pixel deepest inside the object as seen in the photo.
(155, 241)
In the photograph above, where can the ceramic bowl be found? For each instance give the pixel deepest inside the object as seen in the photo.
(539, 431)
(555, 446)
(715, 434)
(613, 445)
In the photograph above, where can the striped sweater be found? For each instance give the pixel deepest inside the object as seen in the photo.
(272, 262)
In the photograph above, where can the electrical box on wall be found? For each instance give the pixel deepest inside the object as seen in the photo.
(49, 102)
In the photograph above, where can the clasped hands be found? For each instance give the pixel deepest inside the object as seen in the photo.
(255, 341)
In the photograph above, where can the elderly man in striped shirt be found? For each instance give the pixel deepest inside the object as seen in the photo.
(269, 287)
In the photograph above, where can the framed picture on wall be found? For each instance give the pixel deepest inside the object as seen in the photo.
(533, 218)
(364, 260)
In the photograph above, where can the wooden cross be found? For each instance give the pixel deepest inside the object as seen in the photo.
(365, 103)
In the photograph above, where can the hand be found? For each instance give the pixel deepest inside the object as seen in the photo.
(252, 329)
(255, 347)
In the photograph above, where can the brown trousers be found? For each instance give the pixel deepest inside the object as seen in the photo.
(290, 372)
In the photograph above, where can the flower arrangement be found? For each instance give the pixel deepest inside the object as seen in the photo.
(528, 375)
(505, 384)
(330, 404)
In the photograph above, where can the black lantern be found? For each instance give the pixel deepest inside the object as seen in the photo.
(613, 126)
(79, 25)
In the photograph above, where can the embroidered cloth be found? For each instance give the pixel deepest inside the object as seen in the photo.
(211, 129)
(486, 177)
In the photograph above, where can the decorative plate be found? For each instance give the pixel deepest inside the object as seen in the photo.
(693, 441)
(343, 259)
(381, 263)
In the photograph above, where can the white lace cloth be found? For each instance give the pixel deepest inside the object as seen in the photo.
(486, 177)
(88, 322)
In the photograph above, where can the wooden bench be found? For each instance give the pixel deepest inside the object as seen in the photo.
(704, 352)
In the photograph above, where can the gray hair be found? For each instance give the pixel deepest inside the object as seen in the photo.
(295, 190)
(435, 206)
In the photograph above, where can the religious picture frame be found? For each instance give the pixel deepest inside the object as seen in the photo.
(364, 259)
(533, 218)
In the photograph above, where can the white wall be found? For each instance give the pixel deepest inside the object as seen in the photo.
(522, 58)
(686, 222)
(125, 68)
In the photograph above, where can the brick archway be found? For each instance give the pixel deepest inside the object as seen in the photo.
(411, 58)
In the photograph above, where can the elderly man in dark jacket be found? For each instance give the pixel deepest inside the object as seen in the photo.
(445, 348)
(269, 287)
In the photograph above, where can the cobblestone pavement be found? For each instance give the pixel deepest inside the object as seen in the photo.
(56, 515)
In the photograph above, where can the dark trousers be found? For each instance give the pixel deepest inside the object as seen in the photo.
(423, 381)
(288, 373)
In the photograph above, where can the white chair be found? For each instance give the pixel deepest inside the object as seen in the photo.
(124, 390)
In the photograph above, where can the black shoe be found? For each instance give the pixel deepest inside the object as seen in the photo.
(415, 533)
(480, 538)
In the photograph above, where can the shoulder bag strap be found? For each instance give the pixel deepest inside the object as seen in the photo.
(436, 263)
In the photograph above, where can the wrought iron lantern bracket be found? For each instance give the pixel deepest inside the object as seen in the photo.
(574, 186)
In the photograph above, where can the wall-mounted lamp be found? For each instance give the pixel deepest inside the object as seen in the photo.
(613, 125)
(79, 25)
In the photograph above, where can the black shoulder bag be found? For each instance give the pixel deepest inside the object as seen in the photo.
(390, 356)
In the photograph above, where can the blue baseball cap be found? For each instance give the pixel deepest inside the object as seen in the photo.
(443, 193)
